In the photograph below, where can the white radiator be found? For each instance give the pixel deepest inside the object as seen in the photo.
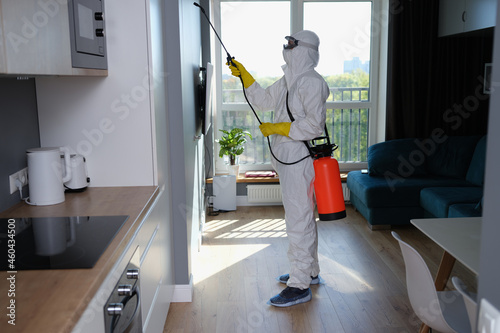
(263, 193)
(272, 193)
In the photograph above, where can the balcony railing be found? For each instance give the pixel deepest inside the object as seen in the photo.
(347, 127)
(359, 94)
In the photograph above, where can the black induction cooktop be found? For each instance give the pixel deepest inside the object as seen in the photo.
(56, 242)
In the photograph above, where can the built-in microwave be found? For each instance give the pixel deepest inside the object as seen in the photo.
(87, 34)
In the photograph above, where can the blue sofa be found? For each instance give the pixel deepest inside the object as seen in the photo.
(439, 176)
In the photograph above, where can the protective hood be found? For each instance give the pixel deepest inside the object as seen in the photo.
(300, 59)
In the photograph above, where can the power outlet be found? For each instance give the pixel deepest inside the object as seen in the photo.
(489, 318)
(22, 175)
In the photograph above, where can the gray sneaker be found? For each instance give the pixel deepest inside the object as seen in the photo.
(284, 279)
(291, 296)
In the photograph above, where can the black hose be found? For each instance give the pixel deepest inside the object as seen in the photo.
(260, 122)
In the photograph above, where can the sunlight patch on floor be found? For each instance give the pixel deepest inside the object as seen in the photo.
(259, 228)
(347, 287)
(213, 259)
(218, 224)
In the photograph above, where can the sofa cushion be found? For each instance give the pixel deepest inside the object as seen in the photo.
(394, 192)
(463, 210)
(452, 157)
(401, 157)
(437, 200)
(475, 173)
(387, 215)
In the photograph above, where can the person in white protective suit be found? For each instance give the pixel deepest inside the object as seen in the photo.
(307, 93)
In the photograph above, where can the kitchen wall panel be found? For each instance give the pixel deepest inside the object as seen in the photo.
(107, 119)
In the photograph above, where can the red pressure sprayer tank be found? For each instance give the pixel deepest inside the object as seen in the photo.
(327, 183)
(328, 189)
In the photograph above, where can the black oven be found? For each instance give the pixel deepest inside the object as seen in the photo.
(122, 311)
(87, 34)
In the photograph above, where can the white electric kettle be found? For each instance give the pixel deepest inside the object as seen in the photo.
(79, 176)
(47, 173)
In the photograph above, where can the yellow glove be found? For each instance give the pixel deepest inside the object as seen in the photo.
(277, 128)
(240, 71)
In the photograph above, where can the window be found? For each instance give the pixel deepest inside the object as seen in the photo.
(347, 62)
(246, 33)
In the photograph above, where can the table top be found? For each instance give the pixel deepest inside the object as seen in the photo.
(460, 237)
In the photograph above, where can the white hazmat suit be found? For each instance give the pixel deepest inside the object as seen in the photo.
(307, 95)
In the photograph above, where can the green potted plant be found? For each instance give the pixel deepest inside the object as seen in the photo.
(232, 145)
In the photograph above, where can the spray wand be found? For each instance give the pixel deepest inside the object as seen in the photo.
(228, 56)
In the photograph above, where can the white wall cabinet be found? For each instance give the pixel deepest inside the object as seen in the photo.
(458, 16)
(35, 39)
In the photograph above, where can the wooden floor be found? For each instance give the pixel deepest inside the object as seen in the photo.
(363, 287)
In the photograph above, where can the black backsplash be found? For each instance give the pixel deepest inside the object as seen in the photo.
(19, 131)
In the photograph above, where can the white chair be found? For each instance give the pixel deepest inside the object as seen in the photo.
(469, 299)
(443, 311)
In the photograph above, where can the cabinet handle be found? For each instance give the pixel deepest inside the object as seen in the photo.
(133, 274)
(464, 16)
(115, 309)
(125, 290)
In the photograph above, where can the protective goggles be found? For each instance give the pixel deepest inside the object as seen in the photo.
(292, 43)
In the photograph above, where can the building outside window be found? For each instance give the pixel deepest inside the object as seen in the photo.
(254, 31)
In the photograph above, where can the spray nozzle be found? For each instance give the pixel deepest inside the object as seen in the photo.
(201, 8)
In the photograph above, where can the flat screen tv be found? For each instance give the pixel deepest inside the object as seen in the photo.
(206, 91)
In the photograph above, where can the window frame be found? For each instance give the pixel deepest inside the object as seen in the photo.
(376, 122)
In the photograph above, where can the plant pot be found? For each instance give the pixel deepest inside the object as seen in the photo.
(233, 170)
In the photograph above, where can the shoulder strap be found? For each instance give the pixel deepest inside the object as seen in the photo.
(288, 109)
(316, 150)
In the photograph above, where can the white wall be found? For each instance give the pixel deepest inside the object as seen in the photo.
(157, 37)
(182, 30)
(108, 120)
(490, 246)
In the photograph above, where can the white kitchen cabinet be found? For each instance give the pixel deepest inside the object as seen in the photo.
(459, 16)
(35, 39)
(155, 274)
